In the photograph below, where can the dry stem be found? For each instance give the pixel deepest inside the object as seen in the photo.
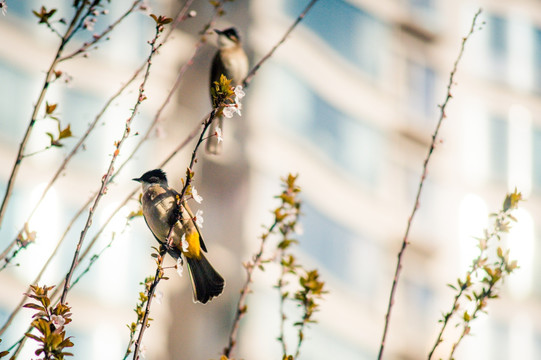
(421, 184)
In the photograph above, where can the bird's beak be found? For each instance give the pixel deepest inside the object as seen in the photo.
(136, 179)
(219, 32)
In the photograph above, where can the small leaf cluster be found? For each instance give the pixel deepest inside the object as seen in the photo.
(140, 311)
(311, 291)
(62, 133)
(161, 21)
(135, 213)
(222, 92)
(44, 15)
(49, 322)
(311, 288)
(26, 236)
(487, 271)
(287, 214)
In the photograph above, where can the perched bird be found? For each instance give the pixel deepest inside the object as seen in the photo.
(160, 210)
(231, 61)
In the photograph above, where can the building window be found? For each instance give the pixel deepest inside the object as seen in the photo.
(23, 9)
(16, 108)
(498, 133)
(355, 34)
(347, 255)
(425, 11)
(537, 60)
(536, 145)
(353, 145)
(500, 335)
(326, 241)
(421, 81)
(422, 4)
(498, 46)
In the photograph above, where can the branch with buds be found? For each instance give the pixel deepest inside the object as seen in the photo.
(405, 240)
(106, 178)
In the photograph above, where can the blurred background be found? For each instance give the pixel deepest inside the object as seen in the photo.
(349, 102)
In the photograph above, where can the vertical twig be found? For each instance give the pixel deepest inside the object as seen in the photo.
(15, 170)
(157, 278)
(421, 184)
(256, 67)
(280, 285)
(109, 173)
(167, 244)
(241, 305)
(180, 16)
(97, 38)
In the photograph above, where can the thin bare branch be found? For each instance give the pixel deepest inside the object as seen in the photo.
(157, 277)
(421, 183)
(251, 74)
(105, 180)
(241, 305)
(97, 38)
(181, 15)
(41, 97)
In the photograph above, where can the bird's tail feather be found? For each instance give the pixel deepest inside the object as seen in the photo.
(206, 282)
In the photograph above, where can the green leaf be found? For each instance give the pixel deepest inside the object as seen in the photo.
(50, 108)
(66, 133)
(65, 343)
(34, 306)
(32, 336)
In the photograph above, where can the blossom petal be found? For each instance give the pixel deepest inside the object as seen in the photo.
(198, 198)
(238, 92)
(229, 111)
(199, 218)
(184, 243)
(219, 135)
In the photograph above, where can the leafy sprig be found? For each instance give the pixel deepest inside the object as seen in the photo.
(311, 290)
(480, 282)
(49, 322)
(140, 312)
(222, 92)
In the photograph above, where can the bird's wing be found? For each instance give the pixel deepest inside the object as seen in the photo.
(174, 252)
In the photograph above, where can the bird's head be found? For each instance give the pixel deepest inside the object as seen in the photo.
(156, 176)
(228, 37)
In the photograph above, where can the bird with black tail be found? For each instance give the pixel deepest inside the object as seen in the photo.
(231, 61)
(160, 211)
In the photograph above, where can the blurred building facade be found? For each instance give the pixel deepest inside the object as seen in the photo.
(349, 102)
(106, 296)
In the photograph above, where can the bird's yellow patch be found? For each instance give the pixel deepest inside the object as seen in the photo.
(194, 246)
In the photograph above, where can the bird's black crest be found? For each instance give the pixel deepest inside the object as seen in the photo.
(154, 176)
(231, 33)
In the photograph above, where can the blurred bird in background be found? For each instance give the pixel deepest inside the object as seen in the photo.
(160, 212)
(232, 62)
